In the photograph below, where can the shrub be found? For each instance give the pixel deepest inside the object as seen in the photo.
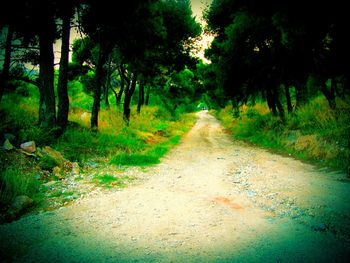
(313, 132)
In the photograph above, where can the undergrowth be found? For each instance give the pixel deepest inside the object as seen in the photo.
(314, 132)
(18, 176)
(148, 137)
(108, 181)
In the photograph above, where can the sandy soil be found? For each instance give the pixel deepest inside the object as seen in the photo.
(210, 200)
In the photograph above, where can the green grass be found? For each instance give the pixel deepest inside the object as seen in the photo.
(313, 133)
(48, 163)
(135, 159)
(109, 181)
(15, 182)
(149, 157)
(123, 141)
(149, 136)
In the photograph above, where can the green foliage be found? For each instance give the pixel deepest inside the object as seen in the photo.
(79, 98)
(164, 136)
(260, 45)
(19, 117)
(149, 136)
(125, 141)
(148, 157)
(108, 181)
(77, 144)
(88, 82)
(15, 182)
(135, 159)
(314, 132)
(48, 163)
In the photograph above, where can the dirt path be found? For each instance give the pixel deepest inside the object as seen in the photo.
(210, 200)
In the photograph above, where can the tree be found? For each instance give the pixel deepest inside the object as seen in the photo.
(45, 28)
(66, 12)
(147, 35)
(107, 32)
(6, 66)
(262, 46)
(35, 22)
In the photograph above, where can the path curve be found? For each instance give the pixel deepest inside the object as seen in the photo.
(210, 200)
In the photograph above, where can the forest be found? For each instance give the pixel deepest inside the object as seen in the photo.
(124, 83)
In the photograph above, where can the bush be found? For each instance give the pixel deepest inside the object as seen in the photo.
(313, 132)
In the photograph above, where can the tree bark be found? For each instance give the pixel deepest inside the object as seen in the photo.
(330, 94)
(276, 99)
(122, 85)
(104, 50)
(300, 94)
(288, 99)
(105, 95)
(97, 92)
(280, 108)
(148, 92)
(141, 98)
(62, 89)
(107, 85)
(127, 98)
(47, 107)
(7, 61)
(271, 101)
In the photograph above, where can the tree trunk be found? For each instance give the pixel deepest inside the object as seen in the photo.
(271, 101)
(62, 90)
(148, 92)
(122, 85)
(47, 107)
(105, 49)
(107, 85)
(105, 95)
(97, 92)
(141, 97)
(7, 61)
(330, 94)
(127, 98)
(280, 108)
(277, 101)
(120, 94)
(300, 94)
(288, 99)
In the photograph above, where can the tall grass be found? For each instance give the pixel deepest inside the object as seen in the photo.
(155, 125)
(314, 132)
(149, 136)
(158, 135)
(15, 182)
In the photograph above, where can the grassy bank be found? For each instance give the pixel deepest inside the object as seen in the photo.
(148, 137)
(314, 132)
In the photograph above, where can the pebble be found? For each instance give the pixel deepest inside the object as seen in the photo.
(251, 193)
